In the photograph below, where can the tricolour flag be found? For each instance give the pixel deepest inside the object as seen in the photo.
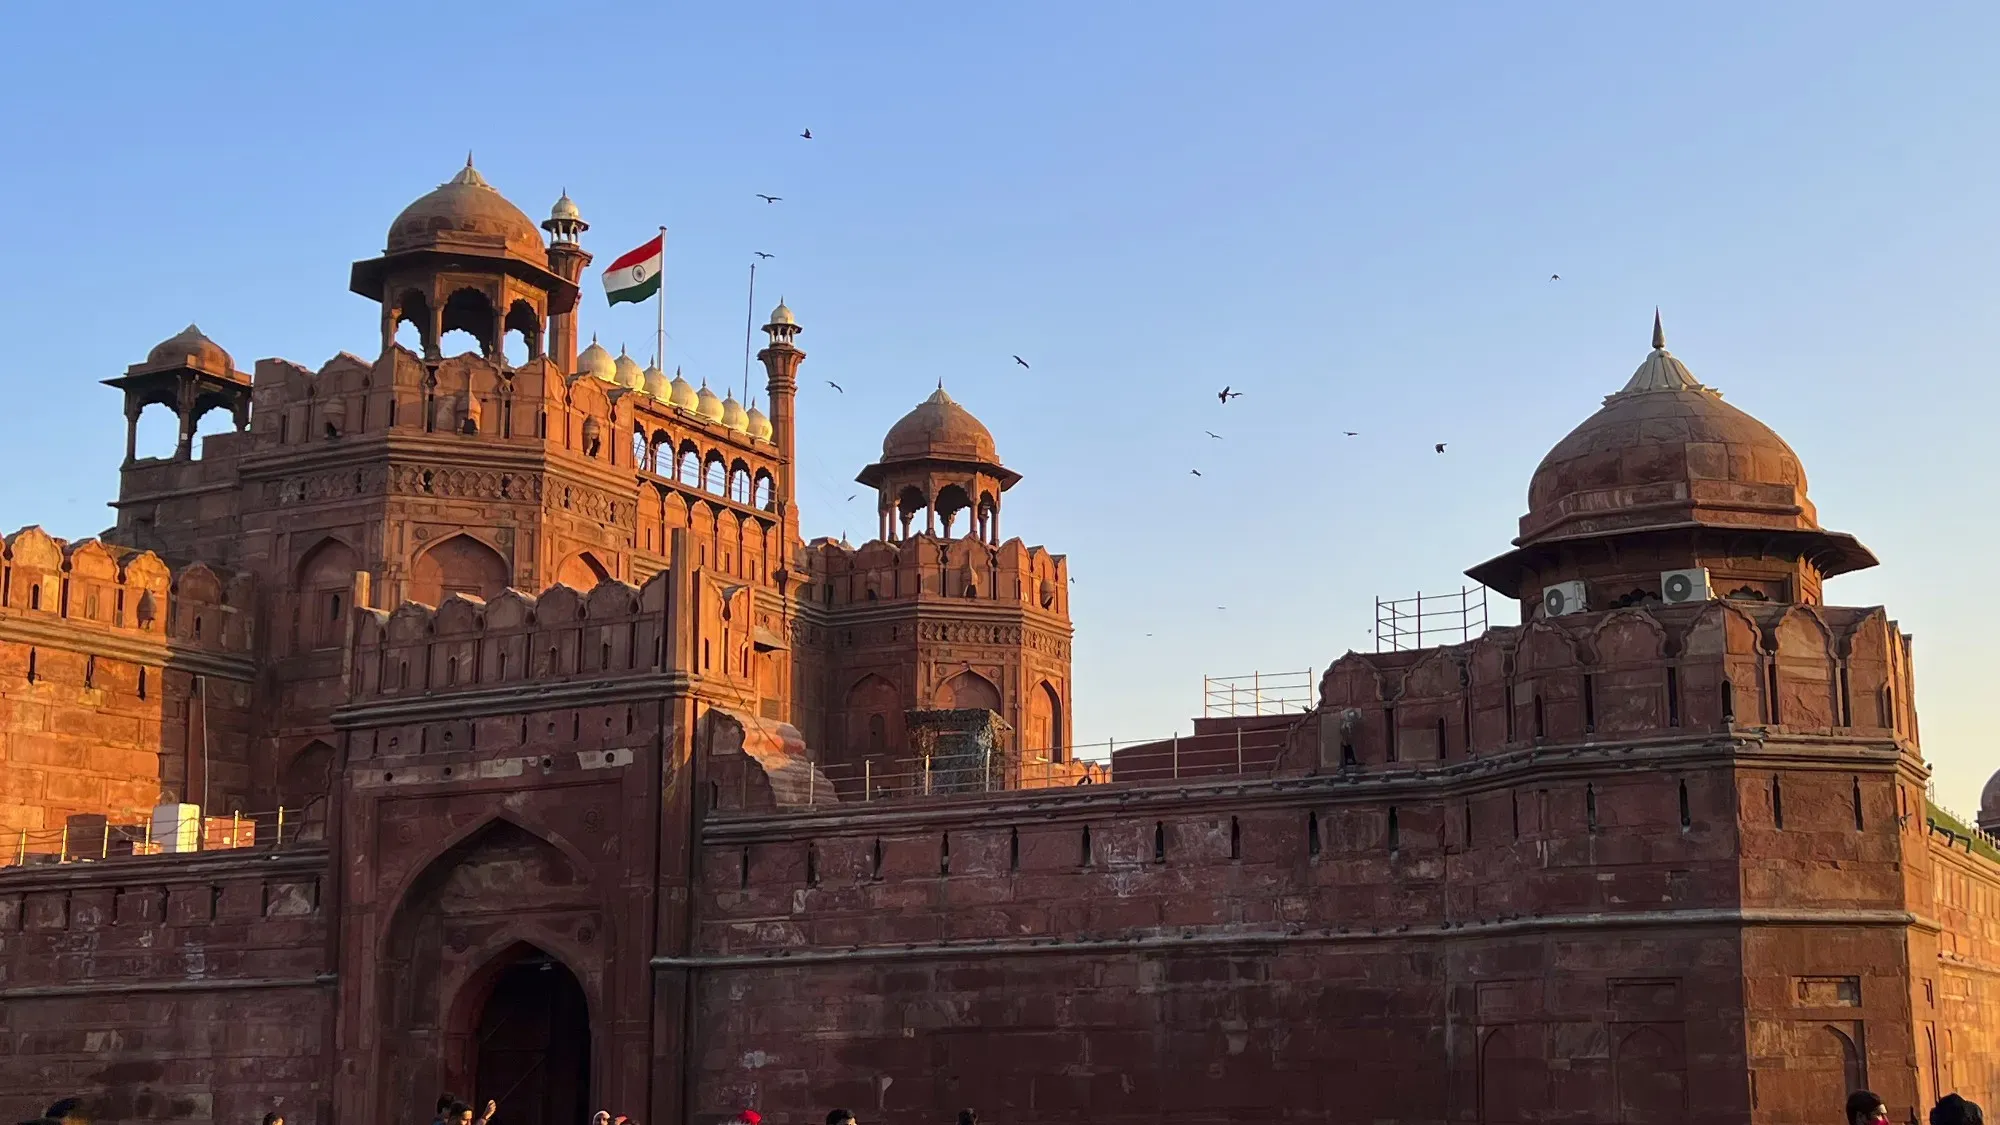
(636, 276)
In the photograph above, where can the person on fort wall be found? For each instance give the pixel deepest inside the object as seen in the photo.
(1954, 1110)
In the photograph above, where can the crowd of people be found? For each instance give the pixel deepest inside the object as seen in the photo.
(1864, 1107)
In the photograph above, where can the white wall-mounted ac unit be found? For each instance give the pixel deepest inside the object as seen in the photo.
(1678, 587)
(1564, 598)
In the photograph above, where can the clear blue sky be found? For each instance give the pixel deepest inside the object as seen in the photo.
(1348, 211)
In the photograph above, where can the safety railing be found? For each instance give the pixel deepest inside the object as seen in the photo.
(182, 831)
(1258, 693)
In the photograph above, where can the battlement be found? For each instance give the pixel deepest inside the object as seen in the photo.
(93, 588)
(926, 566)
(561, 634)
(1630, 673)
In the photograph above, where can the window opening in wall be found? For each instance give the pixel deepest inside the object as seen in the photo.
(714, 795)
(944, 854)
(35, 596)
(1687, 818)
(1777, 802)
(630, 720)
(1858, 825)
(555, 661)
(1389, 721)
(284, 429)
(1395, 831)
(1013, 849)
(1771, 692)
(1728, 701)
(1346, 754)
(142, 683)
(604, 657)
(1159, 842)
(451, 670)
(1235, 839)
(575, 725)
(1514, 799)
(402, 673)
(1312, 834)
(503, 664)
(1846, 700)
(31, 666)
(1589, 703)
(812, 866)
(1468, 822)
(704, 654)
(743, 878)
(1086, 846)
(1512, 702)
(1541, 718)
(524, 730)
(875, 860)
(1590, 806)
(1441, 746)
(90, 671)
(1673, 697)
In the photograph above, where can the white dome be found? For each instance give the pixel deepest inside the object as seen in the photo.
(759, 425)
(681, 393)
(706, 404)
(655, 382)
(597, 363)
(733, 416)
(625, 371)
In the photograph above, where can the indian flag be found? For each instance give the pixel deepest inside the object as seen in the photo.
(636, 276)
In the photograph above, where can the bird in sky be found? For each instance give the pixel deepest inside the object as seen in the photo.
(835, 386)
(769, 198)
(1196, 472)
(1440, 447)
(761, 254)
(1352, 433)
(1022, 362)
(1555, 277)
(850, 499)
(1225, 394)
(808, 134)
(1213, 434)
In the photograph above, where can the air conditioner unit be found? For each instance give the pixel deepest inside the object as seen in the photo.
(1563, 598)
(1680, 586)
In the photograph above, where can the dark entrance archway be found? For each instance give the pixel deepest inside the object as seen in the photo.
(531, 1052)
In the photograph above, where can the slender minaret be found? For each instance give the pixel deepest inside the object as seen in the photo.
(567, 258)
(781, 363)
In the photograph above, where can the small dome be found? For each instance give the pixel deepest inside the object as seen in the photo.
(940, 428)
(189, 348)
(1665, 448)
(625, 371)
(706, 404)
(654, 382)
(565, 211)
(681, 394)
(1989, 804)
(759, 425)
(733, 416)
(783, 315)
(597, 363)
(466, 209)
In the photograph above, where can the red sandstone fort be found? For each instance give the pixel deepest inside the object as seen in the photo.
(602, 787)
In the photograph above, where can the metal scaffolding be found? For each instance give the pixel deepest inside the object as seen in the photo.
(1411, 623)
(1259, 693)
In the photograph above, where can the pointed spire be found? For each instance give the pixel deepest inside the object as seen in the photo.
(1661, 370)
(1659, 333)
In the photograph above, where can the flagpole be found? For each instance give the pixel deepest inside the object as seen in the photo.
(660, 298)
(749, 318)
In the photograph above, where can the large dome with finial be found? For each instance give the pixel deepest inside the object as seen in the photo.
(1665, 450)
(939, 428)
(190, 348)
(466, 210)
(597, 363)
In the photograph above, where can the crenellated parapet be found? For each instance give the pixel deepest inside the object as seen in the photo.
(467, 643)
(1657, 671)
(924, 566)
(98, 589)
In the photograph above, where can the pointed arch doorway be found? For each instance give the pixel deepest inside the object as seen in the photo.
(531, 1043)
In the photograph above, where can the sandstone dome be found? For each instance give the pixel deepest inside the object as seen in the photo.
(466, 205)
(942, 429)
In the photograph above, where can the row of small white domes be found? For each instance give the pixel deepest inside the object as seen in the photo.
(623, 371)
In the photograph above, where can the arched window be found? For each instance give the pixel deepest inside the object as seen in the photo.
(458, 565)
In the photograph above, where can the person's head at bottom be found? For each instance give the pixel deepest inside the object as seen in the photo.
(1865, 1108)
(69, 1111)
(601, 1117)
(840, 1117)
(968, 1117)
(1954, 1110)
(445, 1102)
(458, 1113)
(274, 1118)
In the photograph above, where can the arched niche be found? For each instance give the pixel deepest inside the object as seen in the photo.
(458, 565)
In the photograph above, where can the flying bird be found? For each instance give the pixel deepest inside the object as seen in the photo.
(1225, 394)
(769, 198)
(1440, 447)
(1352, 433)
(850, 499)
(808, 134)
(1022, 362)
(1196, 472)
(1555, 277)
(760, 254)
(1213, 434)
(835, 386)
